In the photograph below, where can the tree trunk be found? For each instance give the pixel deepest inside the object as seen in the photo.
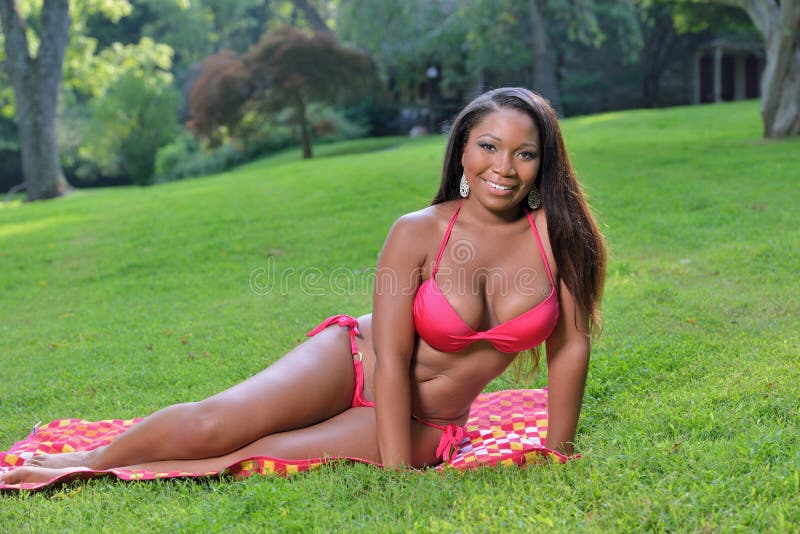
(779, 24)
(780, 82)
(658, 52)
(305, 136)
(36, 82)
(313, 16)
(545, 78)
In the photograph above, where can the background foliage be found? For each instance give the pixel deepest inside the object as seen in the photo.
(431, 56)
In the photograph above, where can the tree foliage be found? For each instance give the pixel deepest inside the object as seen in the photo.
(288, 68)
(88, 73)
(129, 123)
(79, 59)
(219, 94)
(587, 54)
(196, 29)
(482, 39)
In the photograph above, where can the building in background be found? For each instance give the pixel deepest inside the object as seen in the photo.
(726, 70)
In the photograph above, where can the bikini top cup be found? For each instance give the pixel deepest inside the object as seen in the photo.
(442, 328)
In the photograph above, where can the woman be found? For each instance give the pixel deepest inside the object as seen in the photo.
(507, 257)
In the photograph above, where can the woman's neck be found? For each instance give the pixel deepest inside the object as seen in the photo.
(480, 214)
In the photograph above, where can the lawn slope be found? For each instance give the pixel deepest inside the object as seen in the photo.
(118, 301)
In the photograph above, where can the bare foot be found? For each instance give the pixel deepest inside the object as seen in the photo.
(62, 460)
(25, 474)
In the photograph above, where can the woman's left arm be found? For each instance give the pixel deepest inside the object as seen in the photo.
(568, 350)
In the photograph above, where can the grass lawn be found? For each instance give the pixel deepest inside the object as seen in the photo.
(116, 302)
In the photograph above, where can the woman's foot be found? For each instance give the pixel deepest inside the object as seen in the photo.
(63, 460)
(25, 474)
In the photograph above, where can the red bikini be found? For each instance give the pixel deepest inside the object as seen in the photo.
(441, 327)
(452, 435)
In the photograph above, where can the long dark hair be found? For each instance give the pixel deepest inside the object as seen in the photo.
(575, 239)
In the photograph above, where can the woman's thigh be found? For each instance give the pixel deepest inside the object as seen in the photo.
(311, 383)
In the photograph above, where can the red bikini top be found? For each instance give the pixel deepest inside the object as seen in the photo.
(442, 328)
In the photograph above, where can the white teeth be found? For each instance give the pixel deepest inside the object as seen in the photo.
(498, 186)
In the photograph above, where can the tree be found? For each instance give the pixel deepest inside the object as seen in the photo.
(287, 69)
(36, 80)
(30, 48)
(779, 24)
(129, 123)
(312, 15)
(298, 69)
(545, 76)
(218, 96)
(478, 40)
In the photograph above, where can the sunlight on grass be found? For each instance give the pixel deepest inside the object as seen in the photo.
(15, 229)
(14, 203)
(598, 118)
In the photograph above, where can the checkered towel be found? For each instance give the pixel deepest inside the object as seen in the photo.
(504, 427)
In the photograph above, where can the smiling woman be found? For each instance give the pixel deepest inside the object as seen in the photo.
(502, 155)
(506, 258)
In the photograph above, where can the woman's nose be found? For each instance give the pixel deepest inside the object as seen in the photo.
(503, 164)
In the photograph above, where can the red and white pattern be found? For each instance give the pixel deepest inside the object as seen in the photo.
(504, 427)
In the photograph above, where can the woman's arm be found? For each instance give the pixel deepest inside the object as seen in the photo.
(568, 350)
(396, 282)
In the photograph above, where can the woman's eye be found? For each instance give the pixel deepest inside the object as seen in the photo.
(487, 146)
(528, 155)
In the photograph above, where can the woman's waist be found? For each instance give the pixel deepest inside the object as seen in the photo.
(441, 401)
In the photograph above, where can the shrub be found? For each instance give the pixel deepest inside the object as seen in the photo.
(329, 124)
(184, 157)
(129, 123)
(265, 134)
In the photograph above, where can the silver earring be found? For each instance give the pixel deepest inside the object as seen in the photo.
(534, 200)
(464, 187)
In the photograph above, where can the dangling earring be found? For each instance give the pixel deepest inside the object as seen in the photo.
(464, 187)
(534, 200)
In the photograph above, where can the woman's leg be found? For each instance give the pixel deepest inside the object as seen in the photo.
(351, 433)
(310, 384)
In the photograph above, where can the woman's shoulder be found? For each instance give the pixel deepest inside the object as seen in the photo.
(428, 219)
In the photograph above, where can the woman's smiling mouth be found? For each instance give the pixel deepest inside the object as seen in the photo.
(496, 186)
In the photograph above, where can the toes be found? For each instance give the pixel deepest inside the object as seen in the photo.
(10, 477)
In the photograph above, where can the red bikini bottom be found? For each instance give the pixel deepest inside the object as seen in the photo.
(452, 435)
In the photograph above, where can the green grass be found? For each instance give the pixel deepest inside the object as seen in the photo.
(115, 302)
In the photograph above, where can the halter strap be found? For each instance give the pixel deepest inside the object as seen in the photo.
(541, 248)
(444, 241)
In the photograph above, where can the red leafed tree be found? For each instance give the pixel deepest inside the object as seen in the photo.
(220, 91)
(287, 69)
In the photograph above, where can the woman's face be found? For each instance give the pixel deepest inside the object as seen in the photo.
(501, 159)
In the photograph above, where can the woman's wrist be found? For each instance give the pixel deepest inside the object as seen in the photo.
(567, 448)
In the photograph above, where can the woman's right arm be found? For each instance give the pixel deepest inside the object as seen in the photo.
(396, 282)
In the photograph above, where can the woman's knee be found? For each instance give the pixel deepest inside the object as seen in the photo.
(201, 428)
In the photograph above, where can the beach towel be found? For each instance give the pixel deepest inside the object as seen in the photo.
(505, 428)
